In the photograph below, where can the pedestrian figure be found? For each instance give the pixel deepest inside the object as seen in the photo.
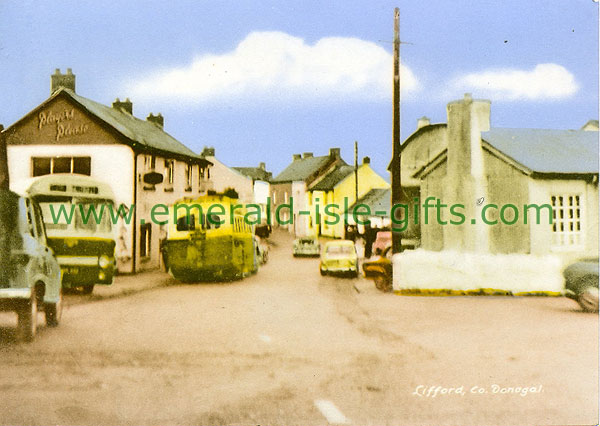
(370, 235)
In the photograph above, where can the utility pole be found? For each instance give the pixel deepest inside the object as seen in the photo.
(4, 181)
(396, 160)
(355, 172)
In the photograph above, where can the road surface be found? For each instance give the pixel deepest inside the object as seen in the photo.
(287, 346)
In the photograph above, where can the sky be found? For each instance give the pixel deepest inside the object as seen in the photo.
(260, 81)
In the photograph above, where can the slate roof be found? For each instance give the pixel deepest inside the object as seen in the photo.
(548, 151)
(333, 178)
(301, 169)
(379, 202)
(140, 132)
(256, 173)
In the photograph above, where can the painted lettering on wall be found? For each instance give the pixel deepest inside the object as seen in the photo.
(63, 122)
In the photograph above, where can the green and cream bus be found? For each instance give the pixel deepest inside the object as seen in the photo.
(83, 242)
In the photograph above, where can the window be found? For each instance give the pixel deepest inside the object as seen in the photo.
(149, 162)
(566, 221)
(145, 239)
(186, 223)
(189, 175)
(200, 174)
(169, 171)
(48, 165)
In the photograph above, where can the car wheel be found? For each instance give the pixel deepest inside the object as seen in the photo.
(87, 289)
(27, 319)
(323, 272)
(383, 283)
(54, 312)
(588, 299)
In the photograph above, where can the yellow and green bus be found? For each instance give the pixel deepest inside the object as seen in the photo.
(207, 240)
(83, 242)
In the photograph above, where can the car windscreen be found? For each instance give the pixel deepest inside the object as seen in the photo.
(340, 250)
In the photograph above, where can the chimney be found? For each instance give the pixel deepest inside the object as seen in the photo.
(307, 154)
(159, 120)
(262, 166)
(125, 106)
(467, 118)
(366, 160)
(58, 80)
(334, 152)
(422, 122)
(208, 151)
(296, 157)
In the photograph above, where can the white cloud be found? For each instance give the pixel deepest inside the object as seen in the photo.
(544, 82)
(277, 66)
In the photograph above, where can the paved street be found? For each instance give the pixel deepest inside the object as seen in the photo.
(287, 346)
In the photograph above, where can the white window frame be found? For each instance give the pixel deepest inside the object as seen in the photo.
(169, 172)
(567, 221)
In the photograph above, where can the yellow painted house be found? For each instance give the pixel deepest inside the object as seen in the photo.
(331, 195)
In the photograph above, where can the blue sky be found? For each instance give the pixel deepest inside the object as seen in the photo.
(261, 81)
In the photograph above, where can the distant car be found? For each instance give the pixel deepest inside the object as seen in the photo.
(306, 246)
(262, 250)
(581, 283)
(30, 277)
(383, 240)
(339, 256)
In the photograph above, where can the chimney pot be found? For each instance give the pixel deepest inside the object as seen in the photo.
(334, 152)
(262, 166)
(125, 105)
(59, 80)
(208, 151)
(156, 119)
(296, 157)
(366, 160)
(307, 154)
(422, 122)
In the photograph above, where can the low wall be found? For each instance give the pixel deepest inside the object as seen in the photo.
(455, 273)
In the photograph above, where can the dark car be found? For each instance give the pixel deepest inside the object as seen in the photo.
(581, 283)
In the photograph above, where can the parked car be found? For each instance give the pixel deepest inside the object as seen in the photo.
(339, 256)
(262, 250)
(383, 240)
(30, 277)
(379, 269)
(581, 283)
(306, 246)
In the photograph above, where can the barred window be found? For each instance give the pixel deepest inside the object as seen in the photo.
(566, 221)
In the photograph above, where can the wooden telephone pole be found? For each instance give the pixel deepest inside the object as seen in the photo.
(4, 182)
(355, 172)
(396, 163)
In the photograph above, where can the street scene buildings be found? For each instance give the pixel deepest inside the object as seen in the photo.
(281, 246)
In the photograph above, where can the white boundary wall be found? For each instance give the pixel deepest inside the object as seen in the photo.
(448, 270)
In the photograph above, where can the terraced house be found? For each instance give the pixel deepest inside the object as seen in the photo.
(289, 189)
(145, 166)
(337, 189)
